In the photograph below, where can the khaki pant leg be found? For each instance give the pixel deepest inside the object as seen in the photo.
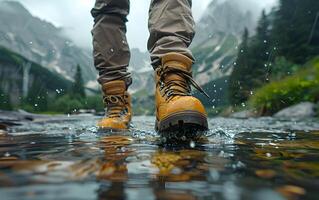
(171, 27)
(110, 49)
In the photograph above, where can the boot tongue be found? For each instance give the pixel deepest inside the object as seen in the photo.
(114, 88)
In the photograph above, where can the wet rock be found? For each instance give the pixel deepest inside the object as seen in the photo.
(3, 132)
(243, 114)
(301, 110)
(86, 111)
(3, 126)
(12, 116)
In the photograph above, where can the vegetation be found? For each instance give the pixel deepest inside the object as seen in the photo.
(70, 101)
(217, 88)
(5, 102)
(49, 92)
(303, 86)
(295, 32)
(252, 64)
(239, 86)
(78, 85)
(37, 98)
(270, 70)
(143, 103)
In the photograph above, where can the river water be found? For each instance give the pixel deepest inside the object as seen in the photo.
(66, 158)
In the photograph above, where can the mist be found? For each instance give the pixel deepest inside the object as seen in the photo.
(76, 20)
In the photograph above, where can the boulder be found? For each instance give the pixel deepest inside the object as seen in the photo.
(301, 110)
(243, 114)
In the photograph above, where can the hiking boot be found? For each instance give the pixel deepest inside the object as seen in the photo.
(177, 111)
(118, 113)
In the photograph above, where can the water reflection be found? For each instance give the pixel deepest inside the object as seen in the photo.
(246, 165)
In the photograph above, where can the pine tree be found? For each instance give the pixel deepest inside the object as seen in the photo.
(37, 97)
(261, 56)
(5, 103)
(78, 90)
(296, 30)
(239, 79)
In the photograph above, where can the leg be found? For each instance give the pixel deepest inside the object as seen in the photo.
(111, 59)
(111, 51)
(171, 27)
(178, 114)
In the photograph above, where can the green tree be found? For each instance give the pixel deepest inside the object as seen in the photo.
(295, 30)
(5, 102)
(239, 81)
(37, 97)
(282, 68)
(78, 90)
(260, 54)
(66, 104)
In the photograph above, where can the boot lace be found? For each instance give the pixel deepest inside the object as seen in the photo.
(181, 87)
(115, 105)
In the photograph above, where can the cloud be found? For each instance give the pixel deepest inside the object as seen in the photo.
(74, 17)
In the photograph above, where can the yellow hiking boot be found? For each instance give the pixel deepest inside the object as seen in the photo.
(118, 113)
(177, 111)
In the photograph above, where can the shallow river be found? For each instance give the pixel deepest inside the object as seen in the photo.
(65, 158)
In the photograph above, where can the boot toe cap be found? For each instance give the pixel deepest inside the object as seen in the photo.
(183, 104)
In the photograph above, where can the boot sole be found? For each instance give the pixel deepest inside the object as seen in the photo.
(186, 125)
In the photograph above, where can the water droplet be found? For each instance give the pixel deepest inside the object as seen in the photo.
(214, 174)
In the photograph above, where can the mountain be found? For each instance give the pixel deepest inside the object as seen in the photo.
(42, 42)
(19, 75)
(217, 38)
(215, 46)
(142, 71)
(228, 16)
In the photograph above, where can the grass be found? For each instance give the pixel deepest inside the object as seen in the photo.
(302, 86)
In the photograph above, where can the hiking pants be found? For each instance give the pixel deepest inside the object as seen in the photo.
(171, 27)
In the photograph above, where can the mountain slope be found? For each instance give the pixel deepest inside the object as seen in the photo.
(14, 74)
(41, 42)
(217, 38)
(142, 71)
(215, 47)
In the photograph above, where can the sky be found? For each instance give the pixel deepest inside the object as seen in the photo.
(74, 16)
